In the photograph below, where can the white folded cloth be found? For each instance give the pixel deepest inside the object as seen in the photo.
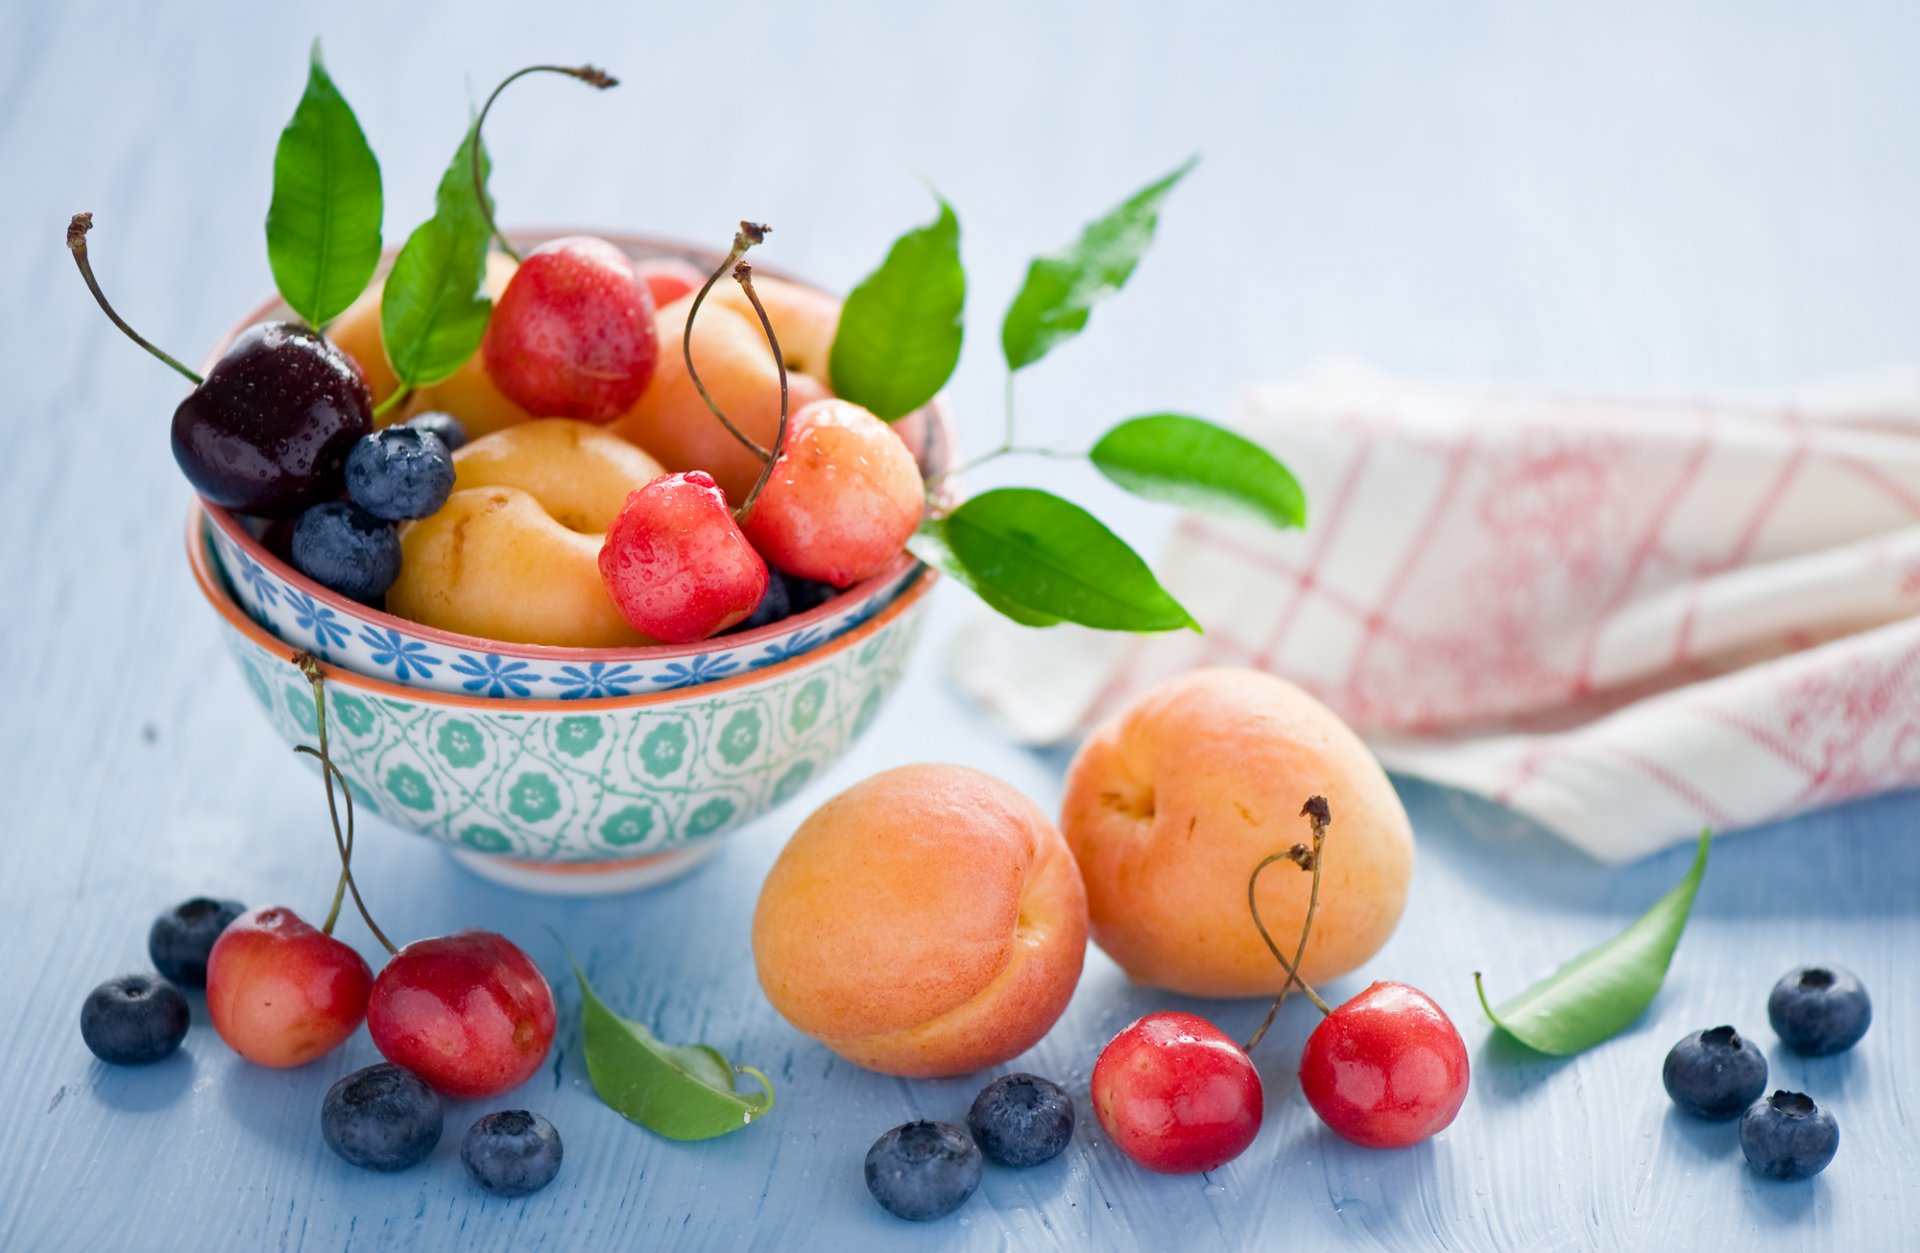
(1626, 617)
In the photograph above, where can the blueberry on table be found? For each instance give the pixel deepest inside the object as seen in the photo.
(1715, 1073)
(1787, 1136)
(134, 1019)
(1021, 1120)
(345, 549)
(449, 428)
(512, 1152)
(400, 472)
(922, 1170)
(1817, 1010)
(180, 939)
(382, 1118)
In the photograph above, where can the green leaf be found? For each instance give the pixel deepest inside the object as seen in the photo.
(1061, 290)
(929, 544)
(680, 1091)
(1052, 558)
(899, 334)
(1598, 994)
(1195, 464)
(323, 227)
(434, 308)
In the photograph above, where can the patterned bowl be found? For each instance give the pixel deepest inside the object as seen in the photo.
(589, 796)
(379, 645)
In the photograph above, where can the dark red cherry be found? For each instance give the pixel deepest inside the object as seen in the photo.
(269, 430)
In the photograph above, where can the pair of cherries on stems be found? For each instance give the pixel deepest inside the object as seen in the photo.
(1386, 1069)
(469, 1013)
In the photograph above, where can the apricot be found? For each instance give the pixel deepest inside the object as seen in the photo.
(928, 921)
(514, 554)
(1171, 804)
(674, 424)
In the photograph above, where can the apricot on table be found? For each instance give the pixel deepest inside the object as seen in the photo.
(729, 349)
(1171, 804)
(928, 921)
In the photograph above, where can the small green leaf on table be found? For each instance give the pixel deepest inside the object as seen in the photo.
(1598, 994)
(434, 308)
(1052, 558)
(1061, 290)
(680, 1091)
(900, 329)
(929, 544)
(1193, 463)
(323, 225)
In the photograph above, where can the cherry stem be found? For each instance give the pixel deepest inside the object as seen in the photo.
(309, 665)
(1317, 814)
(749, 234)
(743, 275)
(592, 76)
(77, 244)
(399, 397)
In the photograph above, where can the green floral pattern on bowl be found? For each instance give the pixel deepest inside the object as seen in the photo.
(580, 783)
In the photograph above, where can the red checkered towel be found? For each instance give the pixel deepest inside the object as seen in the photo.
(1625, 617)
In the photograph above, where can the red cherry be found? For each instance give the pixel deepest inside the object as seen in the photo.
(1176, 1094)
(282, 992)
(676, 564)
(1386, 1069)
(572, 336)
(669, 278)
(469, 1013)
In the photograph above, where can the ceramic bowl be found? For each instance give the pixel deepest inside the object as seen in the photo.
(369, 642)
(587, 796)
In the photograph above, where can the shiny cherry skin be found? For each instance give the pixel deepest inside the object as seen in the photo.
(1387, 1069)
(469, 1013)
(572, 335)
(1176, 1094)
(269, 430)
(282, 992)
(675, 563)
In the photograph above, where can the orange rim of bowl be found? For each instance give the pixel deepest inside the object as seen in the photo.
(236, 618)
(939, 420)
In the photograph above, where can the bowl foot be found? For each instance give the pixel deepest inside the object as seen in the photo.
(584, 878)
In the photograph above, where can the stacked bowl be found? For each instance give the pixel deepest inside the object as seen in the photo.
(575, 771)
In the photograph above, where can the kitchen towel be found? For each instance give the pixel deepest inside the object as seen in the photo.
(1626, 617)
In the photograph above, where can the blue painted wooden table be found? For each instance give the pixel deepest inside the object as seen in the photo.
(1627, 195)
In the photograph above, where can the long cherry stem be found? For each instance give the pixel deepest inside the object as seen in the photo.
(743, 275)
(309, 665)
(749, 234)
(77, 244)
(1317, 814)
(591, 75)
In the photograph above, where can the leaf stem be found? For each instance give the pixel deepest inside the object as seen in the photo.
(749, 234)
(309, 665)
(400, 396)
(77, 230)
(588, 74)
(1006, 450)
(743, 275)
(1317, 814)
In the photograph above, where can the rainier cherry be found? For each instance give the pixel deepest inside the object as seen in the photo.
(572, 335)
(676, 564)
(1386, 1069)
(1176, 1094)
(282, 992)
(469, 1013)
(668, 278)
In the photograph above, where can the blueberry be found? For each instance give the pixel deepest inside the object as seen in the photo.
(134, 1019)
(1787, 1136)
(400, 472)
(511, 1153)
(1022, 1120)
(772, 608)
(921, 1170)
(805, 594)
(1715, 1073)
(445, 425)
(1818, 1010)
(181, 938)
(381, 1118)
(343, 547)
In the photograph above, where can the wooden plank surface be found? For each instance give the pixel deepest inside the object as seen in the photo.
(1623, 195)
